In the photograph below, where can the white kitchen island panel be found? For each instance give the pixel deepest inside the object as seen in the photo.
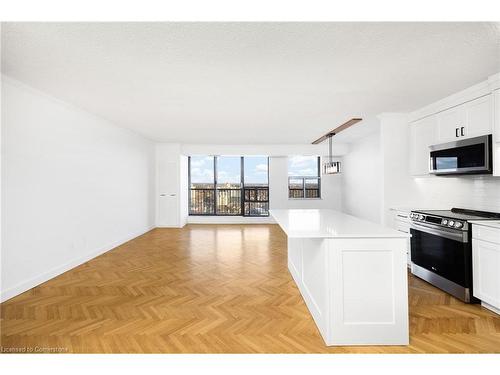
(369, 292)
(309, 271)
(354, 287)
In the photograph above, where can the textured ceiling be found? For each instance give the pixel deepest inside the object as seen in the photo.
(237, 83)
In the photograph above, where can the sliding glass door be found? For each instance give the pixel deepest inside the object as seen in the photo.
(228, 182)
(256, 186)
(228, 185)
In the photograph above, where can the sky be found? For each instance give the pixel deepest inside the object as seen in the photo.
(228, 169)
(303, 165)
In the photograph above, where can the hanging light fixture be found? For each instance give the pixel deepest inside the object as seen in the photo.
(333, 167)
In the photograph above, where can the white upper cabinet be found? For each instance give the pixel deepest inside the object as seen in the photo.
(451, 124)
(423, 134)
(479, 117)
(469, 113)
(467, 120)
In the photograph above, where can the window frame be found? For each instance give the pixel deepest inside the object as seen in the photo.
(242, 190)
(304, 178)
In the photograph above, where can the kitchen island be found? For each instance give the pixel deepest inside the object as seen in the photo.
(352, 274)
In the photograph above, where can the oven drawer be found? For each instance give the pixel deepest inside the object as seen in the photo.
(484, 233)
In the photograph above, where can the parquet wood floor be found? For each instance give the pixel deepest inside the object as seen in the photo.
(212, 289)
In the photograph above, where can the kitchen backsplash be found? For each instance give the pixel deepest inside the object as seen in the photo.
(475, 192)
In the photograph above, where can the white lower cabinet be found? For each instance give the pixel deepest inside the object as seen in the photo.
(486, 265)
(401, 222)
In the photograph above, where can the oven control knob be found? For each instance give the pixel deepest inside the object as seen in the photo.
(445, 222)
(458, 224)
(451, 223)
(420, 217)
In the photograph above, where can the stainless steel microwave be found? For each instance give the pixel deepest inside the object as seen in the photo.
(467, 156)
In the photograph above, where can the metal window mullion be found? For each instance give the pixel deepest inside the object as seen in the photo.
(319, 176)
(242, 186)
(268, 205)
(189, 184)
(215, 186)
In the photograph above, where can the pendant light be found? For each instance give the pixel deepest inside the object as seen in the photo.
(333, 167)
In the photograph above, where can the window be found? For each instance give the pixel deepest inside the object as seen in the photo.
(256, 186)
(202, 183)
(228, 198)
(228, 185)
(304, 178)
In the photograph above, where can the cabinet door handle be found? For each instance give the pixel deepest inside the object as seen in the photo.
(456, 133)
(462, 131)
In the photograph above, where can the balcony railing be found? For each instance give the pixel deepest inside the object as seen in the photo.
(202, 202)
(254, 201)
(228, 202)
(304, 187)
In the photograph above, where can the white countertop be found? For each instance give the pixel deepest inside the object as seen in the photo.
(408, 209)
(487, 223)
(315, 223)
(401, 209)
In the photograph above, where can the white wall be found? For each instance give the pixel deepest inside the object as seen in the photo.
(362, 179)
(269, 150)
(183, 193)
(74, 186)
(331, 188)
(397, 185)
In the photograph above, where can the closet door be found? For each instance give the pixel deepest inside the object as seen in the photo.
(168, 201)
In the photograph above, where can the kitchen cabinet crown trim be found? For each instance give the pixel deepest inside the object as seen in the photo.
(455, 100)
(479, 90)
(494, 82)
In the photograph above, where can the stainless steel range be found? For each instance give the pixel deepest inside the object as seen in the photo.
(441, 248)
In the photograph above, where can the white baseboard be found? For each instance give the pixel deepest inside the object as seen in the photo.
(56, 271)
(496, 310)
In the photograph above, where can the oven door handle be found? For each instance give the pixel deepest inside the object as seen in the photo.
(459, 236)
